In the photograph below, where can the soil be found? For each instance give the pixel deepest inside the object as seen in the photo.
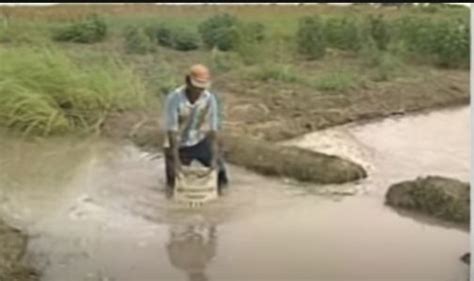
(259, 115)
(13, 246)
(440, 197)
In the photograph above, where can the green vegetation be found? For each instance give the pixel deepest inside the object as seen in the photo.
(310, 37)
(137, 41)
(176, 37)
(43, 91)
(91, 30)
(315, 47)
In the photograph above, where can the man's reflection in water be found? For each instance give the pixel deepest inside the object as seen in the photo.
(191, 248)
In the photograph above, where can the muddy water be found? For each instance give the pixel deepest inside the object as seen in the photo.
(95, 210)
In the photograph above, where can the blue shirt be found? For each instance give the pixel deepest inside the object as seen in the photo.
(190, 121)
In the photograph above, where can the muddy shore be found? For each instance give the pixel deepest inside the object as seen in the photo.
(251, 119)
(13, 246)
(444, 198)
(255, 122)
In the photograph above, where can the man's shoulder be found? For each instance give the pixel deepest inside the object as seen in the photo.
(176, 91)
(174, 94)
(211, 95)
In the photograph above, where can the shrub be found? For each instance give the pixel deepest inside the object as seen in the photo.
(91, 30)
(164, 35)
(343, 33)
(223, 61)
(248, 41)
(219, 31)
(443, 42)
(176, 37)
(137, 41)
(185, 39)
(310, 38)
(379, 31)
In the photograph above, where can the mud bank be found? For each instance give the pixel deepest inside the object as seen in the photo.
(258, 155)
(13, 245)
(83, 204)
(440, 197)
(289, 112)
(278, 112)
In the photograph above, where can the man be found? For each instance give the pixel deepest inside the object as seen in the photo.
(192, 248)
(191, 122)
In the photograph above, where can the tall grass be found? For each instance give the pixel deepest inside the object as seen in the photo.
(44, 91)
(341, 80)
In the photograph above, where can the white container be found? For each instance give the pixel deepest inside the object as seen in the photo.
(193, 187)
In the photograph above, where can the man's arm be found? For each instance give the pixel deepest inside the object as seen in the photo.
(214, 130)
(171, 123)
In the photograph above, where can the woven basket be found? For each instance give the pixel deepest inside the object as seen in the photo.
(193, 188)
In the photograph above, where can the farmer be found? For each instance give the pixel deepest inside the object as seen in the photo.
(192, 248)
(191, 122)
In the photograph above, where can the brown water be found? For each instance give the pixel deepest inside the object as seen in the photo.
(96, 210)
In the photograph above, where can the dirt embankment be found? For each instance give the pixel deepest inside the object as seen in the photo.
(276, 111)
(259, 155)
(257, 115)
(13, 244)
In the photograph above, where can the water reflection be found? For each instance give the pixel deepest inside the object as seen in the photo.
(191, 249)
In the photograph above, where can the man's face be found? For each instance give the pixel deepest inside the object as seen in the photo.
(194, 90)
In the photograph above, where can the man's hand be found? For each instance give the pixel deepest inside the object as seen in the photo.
(178, 169)
(175, 152)
(213, 137)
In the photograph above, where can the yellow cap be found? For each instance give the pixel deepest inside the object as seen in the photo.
(200, 76)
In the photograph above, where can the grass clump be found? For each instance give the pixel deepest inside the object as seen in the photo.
(219, 31)
(335, 81)
(137, 41)
(310, 37)
(44, 91)
(343, 33)
(91, 30)
(275, 72)
(176, 37)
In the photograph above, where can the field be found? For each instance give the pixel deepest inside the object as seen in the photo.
(68, 68)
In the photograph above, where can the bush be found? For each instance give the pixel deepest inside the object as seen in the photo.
(310, 37)
(219, 31)
(443, 42)
(44, 91)
(379, 31)
(176, 37)
(223, 61)
(137, 41)
(91, 30)
(164, 35)
(249, 37)
(185, 39)
(343, 33)
(451, 44)
(254, 31)
(383, 63)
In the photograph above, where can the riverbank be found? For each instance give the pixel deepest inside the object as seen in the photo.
(270, 91)
(440, 197)
(118, 189)
(263, 120)
(13, 247)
